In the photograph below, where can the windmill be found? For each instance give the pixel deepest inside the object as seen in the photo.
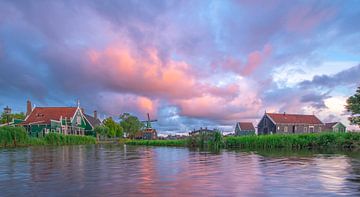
(148, 122)
(149, 133)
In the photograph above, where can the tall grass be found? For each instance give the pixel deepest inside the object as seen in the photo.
(10, 136)
(296, 141)
(17, 136)
(203, 140)
(341, 141)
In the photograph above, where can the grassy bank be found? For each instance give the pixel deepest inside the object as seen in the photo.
(344, 141)
(14, 137)
(298, 141)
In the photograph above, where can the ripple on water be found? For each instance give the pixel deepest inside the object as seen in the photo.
(112, 170)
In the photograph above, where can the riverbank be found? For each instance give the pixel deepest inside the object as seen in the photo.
(343, 141)
(17, 137)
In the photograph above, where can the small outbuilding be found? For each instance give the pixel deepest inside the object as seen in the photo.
(335, 127)
(244, 128)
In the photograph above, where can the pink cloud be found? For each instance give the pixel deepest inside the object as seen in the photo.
(253, 61)
(305, 18)
(144, 75)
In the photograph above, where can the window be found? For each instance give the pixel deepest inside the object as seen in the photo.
(278, 128)
(319, 129)
(265, 122)
(285, 129)
(311, 129)
(305, 129)
(78, 120)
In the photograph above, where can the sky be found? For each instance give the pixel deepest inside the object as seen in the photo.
(190, 64)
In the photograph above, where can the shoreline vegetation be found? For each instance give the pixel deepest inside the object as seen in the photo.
(309, 141)
(17, 137)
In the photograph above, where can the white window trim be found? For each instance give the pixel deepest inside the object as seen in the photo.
(285, 129)
(312, 127)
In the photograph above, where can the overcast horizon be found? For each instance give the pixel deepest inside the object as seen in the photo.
(190, 64)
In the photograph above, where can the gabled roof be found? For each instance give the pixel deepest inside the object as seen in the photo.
(93, 121)
(44, 115)
(330, 125)
(294, 118)
(246, 126)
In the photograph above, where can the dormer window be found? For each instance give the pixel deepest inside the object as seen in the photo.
(78, 120)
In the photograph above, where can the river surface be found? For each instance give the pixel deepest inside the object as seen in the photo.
(118, 170)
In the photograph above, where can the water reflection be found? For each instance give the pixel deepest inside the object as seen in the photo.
(111, 170)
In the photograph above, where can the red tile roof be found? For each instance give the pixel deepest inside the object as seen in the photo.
(294, 118)
(43, 115)
(246, 126)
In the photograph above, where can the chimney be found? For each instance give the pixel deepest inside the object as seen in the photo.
(28, 107)
(95, 114)
(284, 113)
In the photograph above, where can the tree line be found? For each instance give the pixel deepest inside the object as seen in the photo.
(128, 126)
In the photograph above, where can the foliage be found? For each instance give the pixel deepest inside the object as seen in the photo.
(340, 141)
(59, 139)
(5, 118)
(114, 129)
(101, 130)
(212, 140)
(131, 124)
(296, 141)
(353, 106)
(17, 136)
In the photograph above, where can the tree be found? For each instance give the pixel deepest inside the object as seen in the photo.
(8, 118)
(101, 131)
(353, 106)
(115, 130)
(131, 124)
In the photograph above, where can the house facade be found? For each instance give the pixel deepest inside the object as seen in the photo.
(335, 127)
(272, 123)
(63, 120)
(244, 128)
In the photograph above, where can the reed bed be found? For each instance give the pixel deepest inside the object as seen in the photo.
(17, 136)
(296, 141)
(341, 141)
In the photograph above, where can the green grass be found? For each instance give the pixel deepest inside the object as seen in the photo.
(17, 136)
(341, 141)
(296, 141)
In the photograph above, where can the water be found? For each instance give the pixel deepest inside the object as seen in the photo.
(114, 170)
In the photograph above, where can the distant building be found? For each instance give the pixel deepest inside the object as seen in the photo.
(335, 127)
(147, 134)
(272, 123)
(202, 130)
(244, 128)
(63, 120)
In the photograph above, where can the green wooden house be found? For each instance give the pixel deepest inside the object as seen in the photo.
(335, 127)
(63, 120)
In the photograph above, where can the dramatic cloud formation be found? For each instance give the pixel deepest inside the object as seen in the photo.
(189, 63)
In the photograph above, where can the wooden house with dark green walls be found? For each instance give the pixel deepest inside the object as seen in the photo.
(244, 128)
(64, 120)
